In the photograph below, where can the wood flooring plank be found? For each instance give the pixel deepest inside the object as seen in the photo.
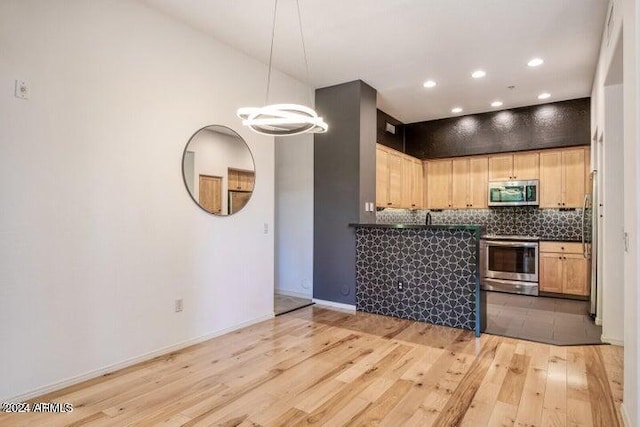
(511, 390)
(603, 407)
(461, 398)
(375, 412)
(319, 366)
(503, 415)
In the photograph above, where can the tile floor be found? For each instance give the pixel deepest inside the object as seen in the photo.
(544, 319)
(284, 303)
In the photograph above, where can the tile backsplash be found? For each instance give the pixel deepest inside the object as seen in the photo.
(546, 223)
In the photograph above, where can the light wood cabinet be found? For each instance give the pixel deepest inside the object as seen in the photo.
(240, 180)
(562, 178)
(403, 181)
(469, 182)
(478, 182)
(439, 177)
(563, 269)
(516, 166)
(382, 177)
(395, 179)
(399, 179)
(417, 184)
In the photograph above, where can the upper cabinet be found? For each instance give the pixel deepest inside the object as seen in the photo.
(562, 177)
(399, 179)
(516, 166)
(462, 182)
(439, 184)
(469, 182)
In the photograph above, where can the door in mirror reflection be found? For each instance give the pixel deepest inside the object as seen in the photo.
(218, 170)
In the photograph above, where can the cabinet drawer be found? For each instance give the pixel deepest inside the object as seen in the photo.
(563, 247)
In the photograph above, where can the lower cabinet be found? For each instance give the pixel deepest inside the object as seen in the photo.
(563, 269)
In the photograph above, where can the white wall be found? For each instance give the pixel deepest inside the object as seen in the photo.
(612, 231)
(294, 215)
(98, 235)
(625, 23)
(214, 154)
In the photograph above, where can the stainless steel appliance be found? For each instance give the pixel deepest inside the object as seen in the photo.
(510, 264)
(590, 238)
(513, 193)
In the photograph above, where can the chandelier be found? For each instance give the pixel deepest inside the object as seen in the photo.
(283, 119)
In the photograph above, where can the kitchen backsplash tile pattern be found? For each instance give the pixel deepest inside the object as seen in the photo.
(436, 269)
(547, 223)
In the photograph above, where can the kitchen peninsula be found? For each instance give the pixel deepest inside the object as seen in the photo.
(427, 273)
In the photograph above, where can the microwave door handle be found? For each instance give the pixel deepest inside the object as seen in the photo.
(512, 244)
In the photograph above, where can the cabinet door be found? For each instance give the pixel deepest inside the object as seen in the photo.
(460, 183)
(573, 162)
(526, 166)
(382, 178)
(233, 180)
(501, 168)
(550, 274)
(395, 179)
(439, 184)
(478, 177)
(406, 191)
(417, 185)
(576, 275)
(551, 179)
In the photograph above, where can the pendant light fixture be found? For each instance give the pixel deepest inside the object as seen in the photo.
(282, 119)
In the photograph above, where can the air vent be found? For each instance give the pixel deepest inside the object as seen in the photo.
(391, 128)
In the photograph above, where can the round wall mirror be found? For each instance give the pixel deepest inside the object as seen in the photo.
(218, 170)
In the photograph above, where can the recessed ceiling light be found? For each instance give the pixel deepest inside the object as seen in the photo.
(456, 110)
(478, 74)
(544, 95)
(535, 62)
(429, 83)
(496, 104)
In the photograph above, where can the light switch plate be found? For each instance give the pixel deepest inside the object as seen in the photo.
(22, 89)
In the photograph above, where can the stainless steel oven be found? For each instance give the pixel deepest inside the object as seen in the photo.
(510, 266)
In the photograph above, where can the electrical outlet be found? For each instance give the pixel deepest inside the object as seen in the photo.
(400, 286)
(178, 305)
(22, 89)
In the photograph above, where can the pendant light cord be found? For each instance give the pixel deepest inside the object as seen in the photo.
(273, 34)
(304, 48)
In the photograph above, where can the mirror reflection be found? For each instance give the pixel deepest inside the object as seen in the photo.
(218, 170)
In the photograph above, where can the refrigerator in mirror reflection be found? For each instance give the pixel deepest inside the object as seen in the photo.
(237, 200)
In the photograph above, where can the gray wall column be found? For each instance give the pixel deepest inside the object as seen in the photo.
(344, 179)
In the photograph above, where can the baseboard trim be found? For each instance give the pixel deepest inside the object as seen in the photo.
(611, 341)
(292, 294)
(333, 304)
(625, 415)
(598, 321)
(58, 385)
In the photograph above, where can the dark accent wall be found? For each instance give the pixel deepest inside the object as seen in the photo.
(557, 124)
(344, 178)
(385, 138)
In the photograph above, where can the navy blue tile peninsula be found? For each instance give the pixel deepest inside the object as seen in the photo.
(419, 272)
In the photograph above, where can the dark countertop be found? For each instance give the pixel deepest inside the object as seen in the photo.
(457, 227)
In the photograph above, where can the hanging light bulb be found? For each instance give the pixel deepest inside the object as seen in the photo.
(282, 119)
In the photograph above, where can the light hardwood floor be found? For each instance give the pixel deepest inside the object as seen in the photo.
(325, 367)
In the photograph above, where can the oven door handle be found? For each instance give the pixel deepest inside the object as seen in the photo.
(512, 244)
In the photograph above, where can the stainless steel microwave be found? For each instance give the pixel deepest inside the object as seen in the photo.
(514, 193)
